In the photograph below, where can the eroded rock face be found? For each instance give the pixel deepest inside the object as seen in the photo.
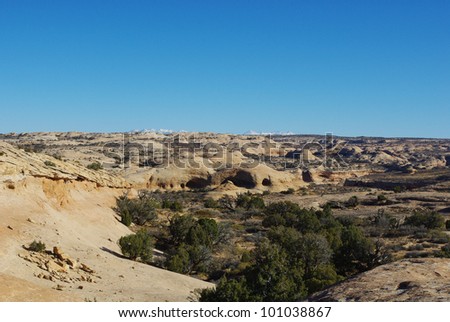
(16, 164)
(426, 279)
(210, 161)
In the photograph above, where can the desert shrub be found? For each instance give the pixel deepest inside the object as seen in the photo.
(332, 204)
(281, 214)
(37, 246)
(289, 191)
(427, 245)
(193, 243)
(355, 254)
(205, 232)
(381, 199)
(312, 251)
(179, 228)
(398, 189)
(95, 166)
(382, 224)
(140, 210)
(179, 261)
(2, 153)
(139, 245)
(396, 247)
(235, 290)
(272, 276)
(416, 247)
(348, 220)
(427, 219)
(174, 205)
(352, 202)
(417, 254)
(403, 230)
(186, 259)
(210, 203)
(250, 201)
(49, 163)
(287, 237)
(186, 229)
(438, 237)
(289, 214)
(444, 251)
(322, 277)
(384, 220)
(206, 213)
(227, 202)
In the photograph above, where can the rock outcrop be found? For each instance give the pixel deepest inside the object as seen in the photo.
(423, 280)
(17, 164)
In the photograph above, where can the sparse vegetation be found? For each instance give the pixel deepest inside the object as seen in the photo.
(137, 246)
(37, 246)
(250, 201)
(49, 163)
(139, 210)
(174, 205)
(95, 166)
(427, 219)
(352, 202)
(289, 191)
(210, 203)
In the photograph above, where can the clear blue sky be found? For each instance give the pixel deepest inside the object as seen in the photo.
(378, 67)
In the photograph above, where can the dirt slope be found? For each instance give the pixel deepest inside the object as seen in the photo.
(76, 216)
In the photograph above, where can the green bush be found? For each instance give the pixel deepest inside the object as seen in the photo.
(210, 203)
(444, 251)
(139, 211)
(355, 254)
(37, 246)
(193, 242)
(427, 219)
(250, 201)
(227, 202)
(289, 191)
(179, 228)
(382, 199)
(49, 163)
(227, 291)
(95, 166)
(352, 202)
(289, 214)
(173, 205)
(272, 276)
(139, 245)
(179, 261)
(189, 258)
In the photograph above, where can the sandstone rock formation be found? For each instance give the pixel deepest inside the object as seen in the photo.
(417, 280)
